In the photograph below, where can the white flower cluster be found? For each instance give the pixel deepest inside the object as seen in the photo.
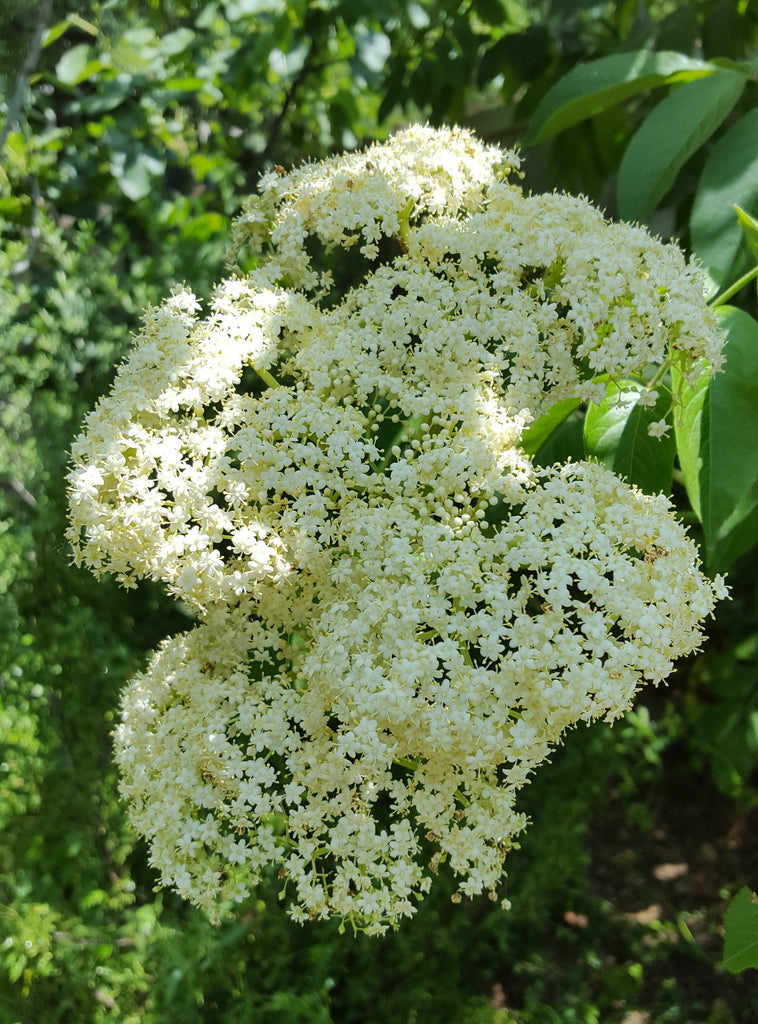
(400, 614)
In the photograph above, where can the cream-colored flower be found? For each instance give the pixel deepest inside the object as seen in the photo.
(400, 614)
(659, 429)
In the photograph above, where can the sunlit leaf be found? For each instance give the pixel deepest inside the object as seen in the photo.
(78, 64)
(589, 89)
(668, 137)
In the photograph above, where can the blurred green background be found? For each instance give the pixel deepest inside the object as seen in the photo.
(132, 129)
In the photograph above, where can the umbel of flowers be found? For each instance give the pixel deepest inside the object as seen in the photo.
(399, 614)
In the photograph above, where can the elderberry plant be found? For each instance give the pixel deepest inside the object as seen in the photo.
(399, 613)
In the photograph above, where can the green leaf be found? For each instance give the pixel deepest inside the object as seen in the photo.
(134, 173)
(56, 31)
(110, 94)
(729, 179)
(564, 443)
(537, 433)
(71, 20)
(490, 11)
(204, 227)
(616, 434)
(668, 136)
(138, 51)
(690, 426)
(715, 434)
(13, 209)
(679, 30)
(177, 41)
(77, 64)
(589, 89)
(741, 932)
(185, 84)
(524, 54)
(749, 226)
(238, 9)
(142, 36)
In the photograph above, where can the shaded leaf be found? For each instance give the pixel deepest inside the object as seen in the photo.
(729, 179)
(490, 11)
(749, 227)
(537, 433)
(523, 53)
(110, 94)
(741, 932)
(564, 443)
(680, 30)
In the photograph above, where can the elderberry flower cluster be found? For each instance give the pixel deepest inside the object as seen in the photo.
(400, 614)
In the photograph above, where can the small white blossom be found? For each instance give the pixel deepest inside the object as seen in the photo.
(659, 429)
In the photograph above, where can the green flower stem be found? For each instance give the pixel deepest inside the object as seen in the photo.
(465, 654)
(404, 219)
(400, 436)
(267, 378)
(736, 287)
